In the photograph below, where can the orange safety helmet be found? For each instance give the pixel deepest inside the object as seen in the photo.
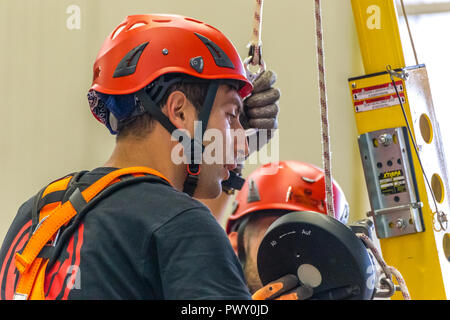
(296, 186)
(144, 47)
(145, 55)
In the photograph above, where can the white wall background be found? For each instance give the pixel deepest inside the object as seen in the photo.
(46, 128)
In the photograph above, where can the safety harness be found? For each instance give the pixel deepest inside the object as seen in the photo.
(57, 211)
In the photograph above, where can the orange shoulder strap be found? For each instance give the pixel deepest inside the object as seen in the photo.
(27, 262)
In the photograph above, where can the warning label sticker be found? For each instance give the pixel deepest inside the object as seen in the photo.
(376, 91)
(392, 182)
(379, 102)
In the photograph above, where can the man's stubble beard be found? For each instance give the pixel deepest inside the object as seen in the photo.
(252, 276)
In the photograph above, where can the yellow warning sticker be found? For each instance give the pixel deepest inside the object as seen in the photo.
(392, 182)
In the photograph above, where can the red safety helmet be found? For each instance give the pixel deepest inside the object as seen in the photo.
(296, 186)
(136, 57)
(144, 47)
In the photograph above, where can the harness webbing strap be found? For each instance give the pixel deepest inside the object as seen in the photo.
(53, 197)
(28, 262)
(77, 200)
(45, 197)
(42, 235)
(27, 280)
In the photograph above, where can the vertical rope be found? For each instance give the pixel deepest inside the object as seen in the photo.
(326, 154)
(409, 32)
(256, 34)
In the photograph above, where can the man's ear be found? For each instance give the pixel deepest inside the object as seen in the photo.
(233, 240)
(180, 111)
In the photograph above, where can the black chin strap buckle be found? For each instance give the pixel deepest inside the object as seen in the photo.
(234, 182)
(193, 170)
(192, 179)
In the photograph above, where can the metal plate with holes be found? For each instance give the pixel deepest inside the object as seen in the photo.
(430, 142)
(391, 185)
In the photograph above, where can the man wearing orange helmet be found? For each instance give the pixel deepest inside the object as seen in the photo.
(296, 186)
(155, 77)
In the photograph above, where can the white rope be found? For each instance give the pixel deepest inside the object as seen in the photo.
(389, 271)
(409, 32)
(401, 283)
(326, 153)
(256, 34)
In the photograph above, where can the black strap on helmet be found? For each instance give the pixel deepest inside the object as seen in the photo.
(195, 158)
(193, 167)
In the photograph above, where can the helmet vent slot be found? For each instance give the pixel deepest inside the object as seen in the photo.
(220, 57)
(211, 27)
(128, 63)
(193, 20)
(137, 25)
(117, 31)
(253, 193)
(308, 180)
(162, 20)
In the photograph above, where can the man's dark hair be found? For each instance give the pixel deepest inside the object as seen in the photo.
(195, 90)
(140, 126)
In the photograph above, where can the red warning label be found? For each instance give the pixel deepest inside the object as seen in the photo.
(379, 102)
(376, 91)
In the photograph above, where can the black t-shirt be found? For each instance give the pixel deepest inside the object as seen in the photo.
(144, 241)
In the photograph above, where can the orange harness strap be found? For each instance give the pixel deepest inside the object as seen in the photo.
(27, 263)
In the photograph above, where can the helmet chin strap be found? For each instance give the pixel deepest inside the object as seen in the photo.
(195, 152)
(193, 168)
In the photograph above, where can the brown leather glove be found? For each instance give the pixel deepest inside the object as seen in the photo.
(260, 112)
(261, 108)
(285, 288)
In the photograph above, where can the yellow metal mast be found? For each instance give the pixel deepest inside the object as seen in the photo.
(405, 217)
